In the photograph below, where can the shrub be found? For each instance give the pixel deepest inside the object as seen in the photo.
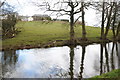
(8, 26)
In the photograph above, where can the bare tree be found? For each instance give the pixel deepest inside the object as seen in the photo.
(83, 21)
(118, 31)
(114, 19)
(71, 8)
(117, 20)
(109, 19)
(66, 7)
(2, 3)
(102, 24)
(108, 16)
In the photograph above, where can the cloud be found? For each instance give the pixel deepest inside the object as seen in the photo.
(26, 7)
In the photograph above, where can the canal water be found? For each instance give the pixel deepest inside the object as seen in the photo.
(61, 62)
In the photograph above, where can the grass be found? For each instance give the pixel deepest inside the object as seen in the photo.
(113, 75)
(38, 32)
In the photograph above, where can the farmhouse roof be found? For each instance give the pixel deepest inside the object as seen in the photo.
(39, 15)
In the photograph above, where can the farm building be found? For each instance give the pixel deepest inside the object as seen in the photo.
(25, 18)
(38, 17)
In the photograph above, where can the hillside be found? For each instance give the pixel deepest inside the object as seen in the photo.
(37, 33)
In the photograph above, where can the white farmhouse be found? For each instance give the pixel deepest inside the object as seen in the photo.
(30, 19)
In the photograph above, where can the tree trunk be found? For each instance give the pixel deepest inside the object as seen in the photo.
(118, 31)
(108, 22)
(72, 39)
(114, 20)
(83, 22)
(102, 25)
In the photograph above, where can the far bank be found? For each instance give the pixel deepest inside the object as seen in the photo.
(36, 34)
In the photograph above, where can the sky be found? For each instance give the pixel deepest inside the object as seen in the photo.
(27, 8)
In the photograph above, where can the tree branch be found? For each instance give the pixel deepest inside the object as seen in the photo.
(77, 19)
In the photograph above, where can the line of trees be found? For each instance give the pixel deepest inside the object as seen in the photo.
(109, 15)
(110, 18)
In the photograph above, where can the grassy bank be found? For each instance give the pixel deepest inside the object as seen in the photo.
(113, 75)
(37, 33)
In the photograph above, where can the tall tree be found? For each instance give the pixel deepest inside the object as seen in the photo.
(114, 19)
(71, 8)
(118, 31)
(65, 7)
(83, 21)
(108, 15)
(117, 22)
(102, 24)
(109, 19)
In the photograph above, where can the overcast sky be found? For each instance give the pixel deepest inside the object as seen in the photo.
(26, 8)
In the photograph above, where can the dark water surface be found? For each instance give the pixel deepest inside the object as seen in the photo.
(61, 62)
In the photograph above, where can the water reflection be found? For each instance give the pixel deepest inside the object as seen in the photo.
(111, 57)
(101, 59)
(118, 52)
(104, 66)
(107, 59)
(112, 54)
(9, 59)
(71, 73)
(61, 62)
(82, 61)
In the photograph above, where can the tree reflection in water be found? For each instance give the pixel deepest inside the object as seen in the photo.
(108, 61)
(82, 61)
(107, 56)
(9, 59)
(101, 59)
(118, 51)
(112, 56)
(71, 73)
(71, 62)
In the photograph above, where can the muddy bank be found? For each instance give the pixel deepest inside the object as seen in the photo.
(56, 43)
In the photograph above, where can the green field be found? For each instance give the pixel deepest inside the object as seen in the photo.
(113, 75)
(38, 32)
